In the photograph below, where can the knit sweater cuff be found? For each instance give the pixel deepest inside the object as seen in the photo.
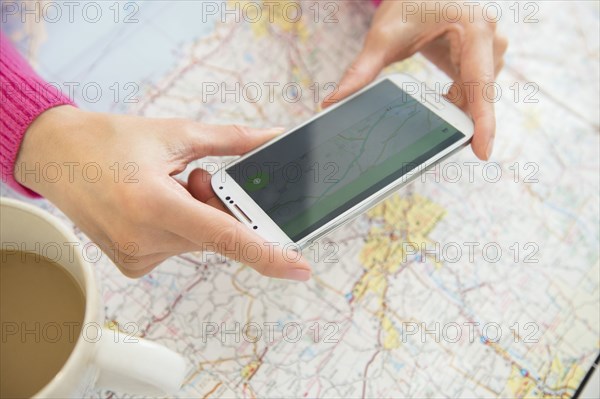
(23, 97)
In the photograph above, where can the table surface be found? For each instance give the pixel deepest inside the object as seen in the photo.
(526, 303)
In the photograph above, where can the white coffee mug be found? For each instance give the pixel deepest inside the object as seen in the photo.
(101, 358)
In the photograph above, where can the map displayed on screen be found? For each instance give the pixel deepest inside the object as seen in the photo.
(341, 158)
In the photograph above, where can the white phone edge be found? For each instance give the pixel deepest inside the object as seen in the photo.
(247, 211)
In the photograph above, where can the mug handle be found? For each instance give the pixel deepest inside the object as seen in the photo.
(141, 367)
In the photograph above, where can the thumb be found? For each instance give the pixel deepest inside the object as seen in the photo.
(215, 231)
(202, 140)
(363, 71)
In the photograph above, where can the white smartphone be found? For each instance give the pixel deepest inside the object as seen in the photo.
(330, 169)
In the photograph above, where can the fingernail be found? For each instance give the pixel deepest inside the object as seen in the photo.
(298, 274)
(490, 148)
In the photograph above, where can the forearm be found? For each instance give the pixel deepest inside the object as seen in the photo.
(24, 96)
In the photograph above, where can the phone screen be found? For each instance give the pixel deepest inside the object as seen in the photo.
(327, 166)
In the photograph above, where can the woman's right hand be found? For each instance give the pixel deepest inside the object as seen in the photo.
(140, 219)
(457, 37)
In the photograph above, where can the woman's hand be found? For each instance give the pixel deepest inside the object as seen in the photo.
(135, 210)
(457, 39)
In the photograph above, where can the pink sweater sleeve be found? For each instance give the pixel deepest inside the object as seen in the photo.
(23, 97)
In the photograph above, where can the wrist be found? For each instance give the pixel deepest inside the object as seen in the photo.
(42, 148)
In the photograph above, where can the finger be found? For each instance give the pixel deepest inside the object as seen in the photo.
(200, 188)
(143, 269)
(500, 46)
(382, 47)
(201, 140)
(199, 185)
(456, 95)
(137, 266)
(215, 231)
(363, 71)
(457, 92)
(438, 52)
(477, 68)
(498, 67)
